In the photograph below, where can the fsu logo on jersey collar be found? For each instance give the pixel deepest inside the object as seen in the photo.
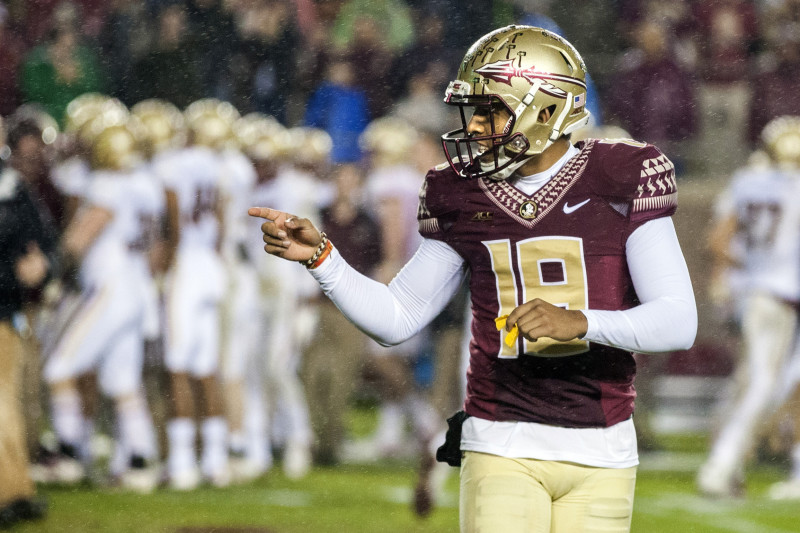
(528, 209)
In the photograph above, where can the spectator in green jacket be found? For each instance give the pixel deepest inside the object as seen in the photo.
(56, 72)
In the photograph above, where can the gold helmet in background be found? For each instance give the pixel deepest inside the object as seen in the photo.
(389, 140)
(210, 123)
(260, 136)
(309, 146)
(163, 125)
(85, 107)
(520, 70)
(781, 138)
(109, 115)
(115, 141)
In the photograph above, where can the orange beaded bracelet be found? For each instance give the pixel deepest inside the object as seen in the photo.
(324, 255)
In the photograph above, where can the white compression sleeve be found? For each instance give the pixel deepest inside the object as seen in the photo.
(394, 313)
(666, 319)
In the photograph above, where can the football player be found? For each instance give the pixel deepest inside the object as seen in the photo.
(107, 241)
(239, 331)
(760, 236)
(573, 264)
(72, 175)
(164, 134)
(287, 297)
(193, 291)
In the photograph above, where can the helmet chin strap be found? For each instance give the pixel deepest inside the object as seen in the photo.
(502, 158)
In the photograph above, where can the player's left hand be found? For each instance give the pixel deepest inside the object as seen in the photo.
(538, 318)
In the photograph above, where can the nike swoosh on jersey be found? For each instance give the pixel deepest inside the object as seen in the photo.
(571, 208)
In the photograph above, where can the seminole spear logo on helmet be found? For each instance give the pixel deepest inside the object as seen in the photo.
(504, 70)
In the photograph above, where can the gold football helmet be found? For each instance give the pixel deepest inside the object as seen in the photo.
(210, 123)
(781, 138)
(85, 107)
(114, 141)
(163, 125)
(389, 140)
(520, 70)
(106, 116)
(310, 147)
(259, 136)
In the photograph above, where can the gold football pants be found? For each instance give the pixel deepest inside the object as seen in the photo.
(502, 495)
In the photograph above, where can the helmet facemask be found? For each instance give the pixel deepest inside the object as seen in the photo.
(496, 155)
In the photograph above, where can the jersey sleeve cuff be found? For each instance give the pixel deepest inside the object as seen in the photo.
(591, 325)
(330, 270)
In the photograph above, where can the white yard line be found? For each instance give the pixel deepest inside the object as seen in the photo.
(718, 514)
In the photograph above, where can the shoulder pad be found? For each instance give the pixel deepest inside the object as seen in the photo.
(433, 199)
(638, 173)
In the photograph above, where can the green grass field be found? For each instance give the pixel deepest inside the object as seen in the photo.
(375, 498)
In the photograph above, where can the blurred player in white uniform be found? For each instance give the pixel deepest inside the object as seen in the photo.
(286, 295)
(240, 333)
(109, 238)
(164, 131)
(71, 173)
(193, 291)
(763, 217)
(782, 137)
(260, 137)
(392, 185)
(72, 176)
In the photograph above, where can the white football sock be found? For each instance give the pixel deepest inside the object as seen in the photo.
(181, 437)
(215, 444)
(136, 431)
(68, 422)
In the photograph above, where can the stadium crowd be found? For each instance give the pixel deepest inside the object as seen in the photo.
(142, 131)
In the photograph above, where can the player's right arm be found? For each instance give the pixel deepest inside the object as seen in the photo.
(287, 236)
(390, 314)
(84, 229)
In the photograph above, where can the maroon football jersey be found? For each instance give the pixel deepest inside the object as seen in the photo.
(564, 244)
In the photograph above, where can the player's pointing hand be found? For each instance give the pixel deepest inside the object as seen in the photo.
(287, 236)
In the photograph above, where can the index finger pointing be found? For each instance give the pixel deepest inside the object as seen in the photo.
(263, 212)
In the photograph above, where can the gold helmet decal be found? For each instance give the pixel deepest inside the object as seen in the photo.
(520, 72)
